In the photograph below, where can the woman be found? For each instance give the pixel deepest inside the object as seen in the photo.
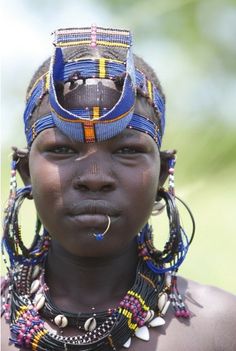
(92, 279)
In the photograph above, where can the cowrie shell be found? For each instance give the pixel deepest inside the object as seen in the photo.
(149, 316)
(163, 312)
(142, 333)
(34, 286)
(61, 321)
(35, 272)
(162, 301)
(127, 344)
(156, 322)
(39, 301)
(90, 324)
(168, 280)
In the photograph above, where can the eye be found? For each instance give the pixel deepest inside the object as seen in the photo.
(131, 149)
(61, 150)
(128, 150)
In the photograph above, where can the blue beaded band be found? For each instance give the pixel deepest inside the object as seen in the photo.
(140, 123)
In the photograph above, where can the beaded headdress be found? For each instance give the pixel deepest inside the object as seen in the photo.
(95, 123)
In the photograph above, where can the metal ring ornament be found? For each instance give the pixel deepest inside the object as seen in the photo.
(100, 236)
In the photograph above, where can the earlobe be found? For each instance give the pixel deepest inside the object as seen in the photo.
(21, 156)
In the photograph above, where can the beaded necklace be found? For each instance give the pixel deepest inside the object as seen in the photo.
(142, 306)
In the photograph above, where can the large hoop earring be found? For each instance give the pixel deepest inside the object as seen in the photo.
(176, 247)
(171, 257)
(12, 238)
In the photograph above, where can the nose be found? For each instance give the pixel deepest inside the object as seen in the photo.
(94, 175)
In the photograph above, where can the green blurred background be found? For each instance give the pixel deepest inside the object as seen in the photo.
(192, 47)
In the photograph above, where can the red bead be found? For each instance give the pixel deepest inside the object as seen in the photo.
(19, 339)
(7, 316)
(182, 313)
(186, 314)
(177, 314)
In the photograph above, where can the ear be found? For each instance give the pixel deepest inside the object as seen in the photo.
(21, 156)
(164, 172)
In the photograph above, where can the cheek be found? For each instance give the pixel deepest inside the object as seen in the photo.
(46, 186)
(150, 179)
(142, 192)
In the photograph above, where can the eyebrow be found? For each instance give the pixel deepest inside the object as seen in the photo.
(128, 133)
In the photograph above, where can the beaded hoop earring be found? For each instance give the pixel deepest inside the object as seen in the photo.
(12, 239)
(175, 249)
(170, 258)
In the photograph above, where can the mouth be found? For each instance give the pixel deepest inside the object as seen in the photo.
(93, 207)
(93, 214)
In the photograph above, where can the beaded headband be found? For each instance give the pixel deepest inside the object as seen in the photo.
(94, 124)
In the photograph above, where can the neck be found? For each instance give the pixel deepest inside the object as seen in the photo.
(74, 280)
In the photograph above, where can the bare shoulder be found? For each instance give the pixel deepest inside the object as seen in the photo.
(214, 313)
(214, 300)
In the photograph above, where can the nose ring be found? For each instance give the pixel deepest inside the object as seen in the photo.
(100, 236)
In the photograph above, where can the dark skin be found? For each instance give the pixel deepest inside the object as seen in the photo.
(83, 274)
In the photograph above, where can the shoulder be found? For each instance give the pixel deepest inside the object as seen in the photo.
(214, 313)
(217, 300)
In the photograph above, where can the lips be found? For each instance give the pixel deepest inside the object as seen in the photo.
(92, 215)
(93, 207)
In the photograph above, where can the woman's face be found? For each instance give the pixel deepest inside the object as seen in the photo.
(76, 185)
